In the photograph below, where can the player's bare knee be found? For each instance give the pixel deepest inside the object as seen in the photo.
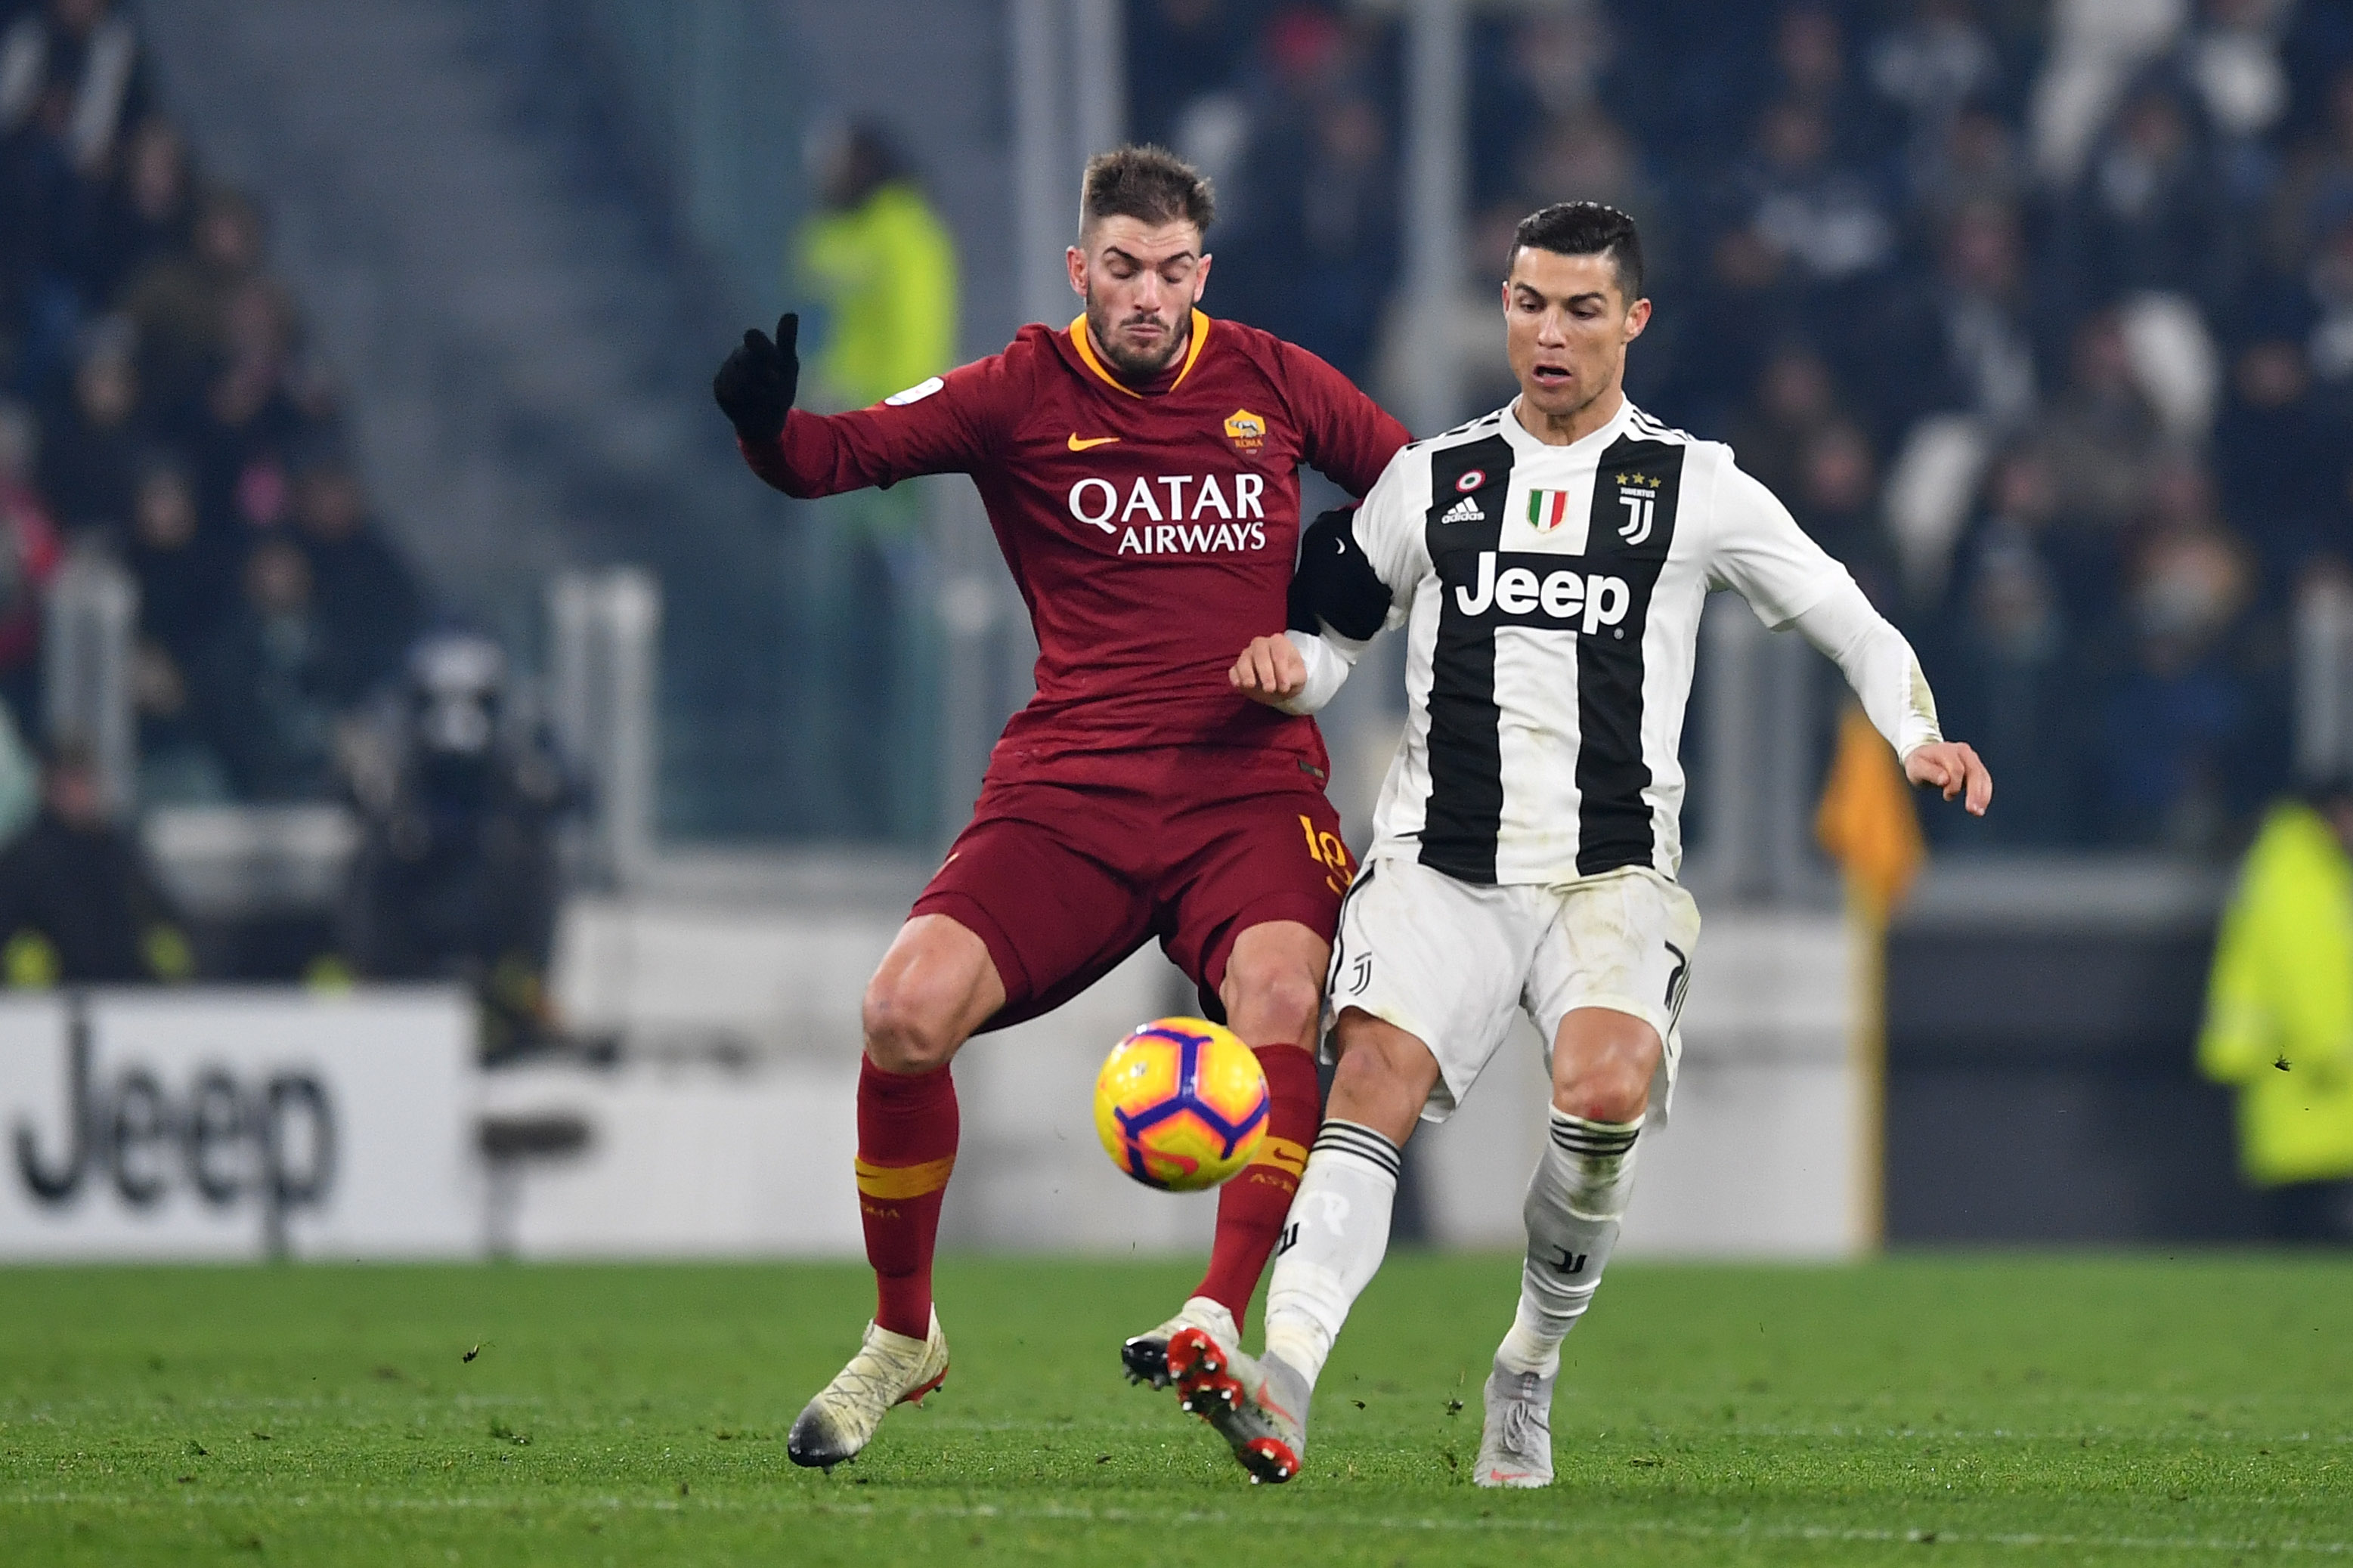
(1384, 1077)
(1273, 1002)
(1613, 1090)
(1603, 1065)
(908, 1030)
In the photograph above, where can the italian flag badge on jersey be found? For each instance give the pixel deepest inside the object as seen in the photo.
(1547, 509)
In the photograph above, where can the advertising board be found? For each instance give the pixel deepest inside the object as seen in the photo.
(237, 1123)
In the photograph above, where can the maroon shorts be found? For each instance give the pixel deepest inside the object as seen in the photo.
(1064, 879)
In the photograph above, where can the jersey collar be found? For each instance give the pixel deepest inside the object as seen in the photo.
(1085, 345)
(1523, 440)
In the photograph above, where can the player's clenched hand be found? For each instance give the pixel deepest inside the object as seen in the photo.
(1953, 768)
(757, 384)
(1270, 670)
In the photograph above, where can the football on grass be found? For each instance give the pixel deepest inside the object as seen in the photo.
(1181, 1104)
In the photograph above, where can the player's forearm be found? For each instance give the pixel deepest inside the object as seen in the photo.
(819, 455)
(1338, 603)
(1878, 663)
(1329, 657)
(790, 465)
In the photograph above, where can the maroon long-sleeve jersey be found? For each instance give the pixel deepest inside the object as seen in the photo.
(1150, 528)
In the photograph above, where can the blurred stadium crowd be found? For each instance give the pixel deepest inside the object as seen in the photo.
(2038, 315)
(160, 405)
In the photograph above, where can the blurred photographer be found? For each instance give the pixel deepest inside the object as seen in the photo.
(456, 878)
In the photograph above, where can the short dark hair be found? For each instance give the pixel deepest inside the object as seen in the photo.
(1148, 183)
(1584, 229)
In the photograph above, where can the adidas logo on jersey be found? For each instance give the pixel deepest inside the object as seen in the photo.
(1464, 511)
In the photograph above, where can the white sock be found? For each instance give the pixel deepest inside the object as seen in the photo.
(1332, 1243)
(1575, 1200)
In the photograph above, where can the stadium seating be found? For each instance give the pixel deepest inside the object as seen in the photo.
(2035, 321)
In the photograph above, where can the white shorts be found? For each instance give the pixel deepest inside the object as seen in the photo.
(1447, 960)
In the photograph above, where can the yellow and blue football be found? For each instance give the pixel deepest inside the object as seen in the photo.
(1181, 1104)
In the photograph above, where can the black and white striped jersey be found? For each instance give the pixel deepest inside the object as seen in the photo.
(1552, 597)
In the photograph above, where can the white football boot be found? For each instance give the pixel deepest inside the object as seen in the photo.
(1258, 1404)
(1146, 1357)
(1515, 1444)
(888, 1369)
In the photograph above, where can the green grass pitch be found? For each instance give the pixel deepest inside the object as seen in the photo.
(2146, 1409)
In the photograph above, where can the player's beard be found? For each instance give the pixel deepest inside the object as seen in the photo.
(1131, 364)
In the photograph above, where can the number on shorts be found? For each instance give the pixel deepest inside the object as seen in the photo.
(1326, 850)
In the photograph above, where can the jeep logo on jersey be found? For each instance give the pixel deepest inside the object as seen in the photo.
(1173, 514)
(1538, 591)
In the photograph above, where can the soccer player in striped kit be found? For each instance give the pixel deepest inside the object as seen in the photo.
(1140, 469)
(1550, 561)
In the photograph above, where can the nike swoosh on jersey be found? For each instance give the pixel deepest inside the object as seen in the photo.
(1080, 445)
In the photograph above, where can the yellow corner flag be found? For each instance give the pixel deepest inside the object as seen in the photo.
(1867, 824)
(1866, 820)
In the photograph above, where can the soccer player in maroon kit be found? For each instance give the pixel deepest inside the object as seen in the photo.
(1140, 470)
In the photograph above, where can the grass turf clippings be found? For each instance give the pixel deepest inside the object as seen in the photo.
(2192, 1409)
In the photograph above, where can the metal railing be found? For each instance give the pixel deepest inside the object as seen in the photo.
(2324, 680)
(1068, 79)
(603, 631)
(1761, 697)
(92, 618)
(714, 89)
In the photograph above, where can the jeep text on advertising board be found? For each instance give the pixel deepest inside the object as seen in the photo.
(227, 1139)
(202, 1122)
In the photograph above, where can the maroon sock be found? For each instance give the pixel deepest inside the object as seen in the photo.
(1251, 1206)
(906, 1147)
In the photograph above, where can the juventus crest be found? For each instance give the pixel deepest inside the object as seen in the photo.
(1638, 494)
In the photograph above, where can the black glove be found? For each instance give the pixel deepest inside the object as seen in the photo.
(756, 386)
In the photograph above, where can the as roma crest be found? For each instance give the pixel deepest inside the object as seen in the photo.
(1246, 430)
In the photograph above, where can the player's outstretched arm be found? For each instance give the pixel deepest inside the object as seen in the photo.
(1879, 664)
(758, 380)
(1952, 766)
(953, 423)
(1760, 551)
